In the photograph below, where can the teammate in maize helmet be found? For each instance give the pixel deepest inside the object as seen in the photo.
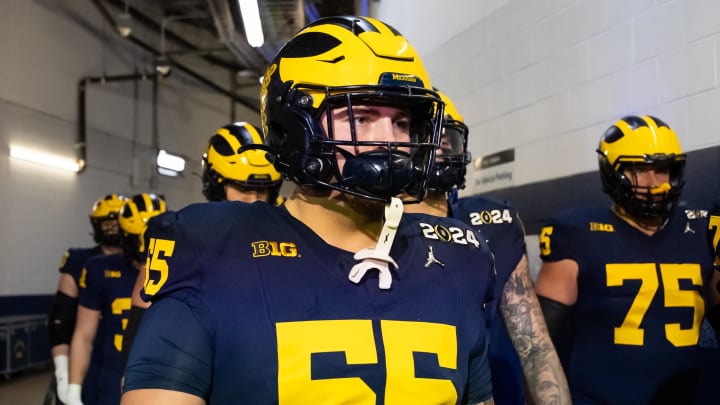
(521, 352)
(234, 171)
(325, 299)
(630, 277)
(106, 284)
(61, 319)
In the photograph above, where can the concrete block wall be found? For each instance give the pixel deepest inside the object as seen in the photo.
(547, 77)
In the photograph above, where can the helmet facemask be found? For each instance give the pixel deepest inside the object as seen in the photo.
(646, 204)
(111, 237)
(377, 170)
(451, 159)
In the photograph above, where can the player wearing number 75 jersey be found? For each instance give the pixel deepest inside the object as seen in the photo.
(631, 278)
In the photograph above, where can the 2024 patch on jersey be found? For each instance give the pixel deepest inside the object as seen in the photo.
(637, 319)
(269, 315)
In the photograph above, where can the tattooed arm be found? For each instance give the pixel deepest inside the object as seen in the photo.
(523, 317)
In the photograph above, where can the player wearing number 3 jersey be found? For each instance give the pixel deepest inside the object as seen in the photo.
(630, 279)
(106, 284)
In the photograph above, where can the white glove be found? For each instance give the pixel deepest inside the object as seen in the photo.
(61, 376)
(74, 394)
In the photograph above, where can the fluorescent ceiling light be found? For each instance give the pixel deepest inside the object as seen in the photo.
(167, 161)
(251, 21)
(47, 159)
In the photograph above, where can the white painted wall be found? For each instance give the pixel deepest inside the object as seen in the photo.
(46, 47)
(547, 77)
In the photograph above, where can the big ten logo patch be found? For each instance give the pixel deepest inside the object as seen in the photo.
(264, 248)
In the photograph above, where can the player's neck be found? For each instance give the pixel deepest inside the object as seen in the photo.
(111, 250)
(434, 204)
(647, 229)
(335, 221)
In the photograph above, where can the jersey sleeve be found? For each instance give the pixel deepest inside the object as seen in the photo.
(65, 263)
(509, 246)
(171, 254)
(714, 232)
(479, 377)
(90, 288)
(163, 357)
(556, 239)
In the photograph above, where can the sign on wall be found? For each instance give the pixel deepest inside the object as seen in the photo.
(494, 171)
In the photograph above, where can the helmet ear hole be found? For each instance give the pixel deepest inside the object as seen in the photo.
(316, 167)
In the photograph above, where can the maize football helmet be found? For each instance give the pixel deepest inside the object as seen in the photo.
(634, 143)
(452, 157)
(229, 159)
(104, 209)
(341, 62)
(135, 214)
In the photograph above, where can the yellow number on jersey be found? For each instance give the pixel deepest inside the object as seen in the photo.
(545, 240)
(120, 305)
(714, 226)
(82, 282)
(630, 332)
(158, 252)
(297, 341)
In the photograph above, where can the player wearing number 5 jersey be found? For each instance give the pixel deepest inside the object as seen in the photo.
(631, 278)
(336, 297)
(106, 285)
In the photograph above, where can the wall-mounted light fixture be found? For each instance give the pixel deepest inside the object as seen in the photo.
(169, 164)
(251, 22)
(46, 159)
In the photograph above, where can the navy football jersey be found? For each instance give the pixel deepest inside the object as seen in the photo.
(636, 322)
(73, 260)
(251, 306)
(107, 287)
(500, 225)
(714, 234)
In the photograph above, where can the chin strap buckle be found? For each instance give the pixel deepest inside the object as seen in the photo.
(379, 258)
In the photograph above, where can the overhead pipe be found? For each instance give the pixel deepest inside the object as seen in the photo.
(250, 104)
(149, 22)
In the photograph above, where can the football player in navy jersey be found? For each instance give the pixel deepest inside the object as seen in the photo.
(629, 278)
(61, 319)
(714, 240)
(519, 341)
(232, 171)
(321, 300)
(105, 285)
